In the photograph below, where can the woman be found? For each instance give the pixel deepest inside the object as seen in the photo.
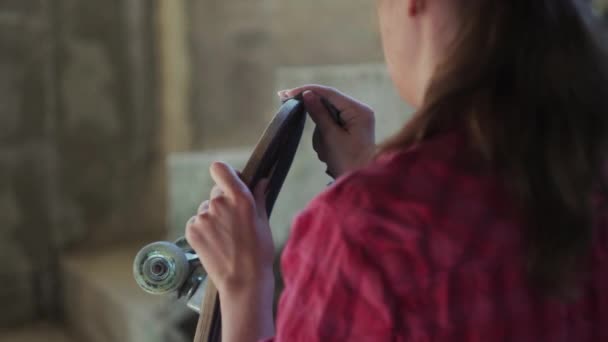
(483, 219)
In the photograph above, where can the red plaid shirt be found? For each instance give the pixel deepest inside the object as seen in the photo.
(424, 245)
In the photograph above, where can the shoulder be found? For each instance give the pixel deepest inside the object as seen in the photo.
(407, 205)
(387, 205)
(366, 233)
(414, 175)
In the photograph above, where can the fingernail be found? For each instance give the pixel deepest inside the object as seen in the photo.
(283, 94)
(308, 94)
(216, 165)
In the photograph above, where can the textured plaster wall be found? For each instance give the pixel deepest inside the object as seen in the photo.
(229, 51)
(80, 148)
(108, 122)
(27, 160)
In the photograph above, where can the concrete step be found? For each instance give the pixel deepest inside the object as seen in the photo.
(37, 332)
(189, 179)
(103, 303)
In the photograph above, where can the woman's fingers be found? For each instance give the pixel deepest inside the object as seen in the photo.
(318, 145)
(215, 192)
(230, 237)
(191, 221)
(318, 113)
(213, 205)
(195, 234)
(338, 99)
(227, 180)
(219, 205)
(342, 146)
(203, 207)
(204, 236)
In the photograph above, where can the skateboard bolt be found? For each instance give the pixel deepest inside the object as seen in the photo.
(158, 268)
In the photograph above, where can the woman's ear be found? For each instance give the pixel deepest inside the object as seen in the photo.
(416, 7)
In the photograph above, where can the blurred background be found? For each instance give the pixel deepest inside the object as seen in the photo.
(110, 114)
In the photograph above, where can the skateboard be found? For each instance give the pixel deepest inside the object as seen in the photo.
(163, 268)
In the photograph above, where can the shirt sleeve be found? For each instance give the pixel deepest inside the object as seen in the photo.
(334, 290)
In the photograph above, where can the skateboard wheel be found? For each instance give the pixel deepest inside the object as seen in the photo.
(183, 244)
(160, 268)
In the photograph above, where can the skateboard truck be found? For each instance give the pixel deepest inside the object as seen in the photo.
(161, 268)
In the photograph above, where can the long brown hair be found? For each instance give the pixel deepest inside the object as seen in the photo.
(529, 81)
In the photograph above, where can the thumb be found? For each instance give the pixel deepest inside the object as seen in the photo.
(260, 197)
(317, 111)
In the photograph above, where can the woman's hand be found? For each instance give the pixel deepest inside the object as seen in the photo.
(345, 148)
(231, 235)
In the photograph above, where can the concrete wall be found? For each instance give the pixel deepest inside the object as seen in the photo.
(26, 159)
(231, 49)
(108, 123)
(80, 149)
(226, 52)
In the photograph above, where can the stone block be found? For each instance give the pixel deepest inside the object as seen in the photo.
(19, 6)
(36, 332)
(81, 155)
(24, 228)
(25, 155)
(319, 32)
(17, 291)
(108, 126)
(104, 304)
